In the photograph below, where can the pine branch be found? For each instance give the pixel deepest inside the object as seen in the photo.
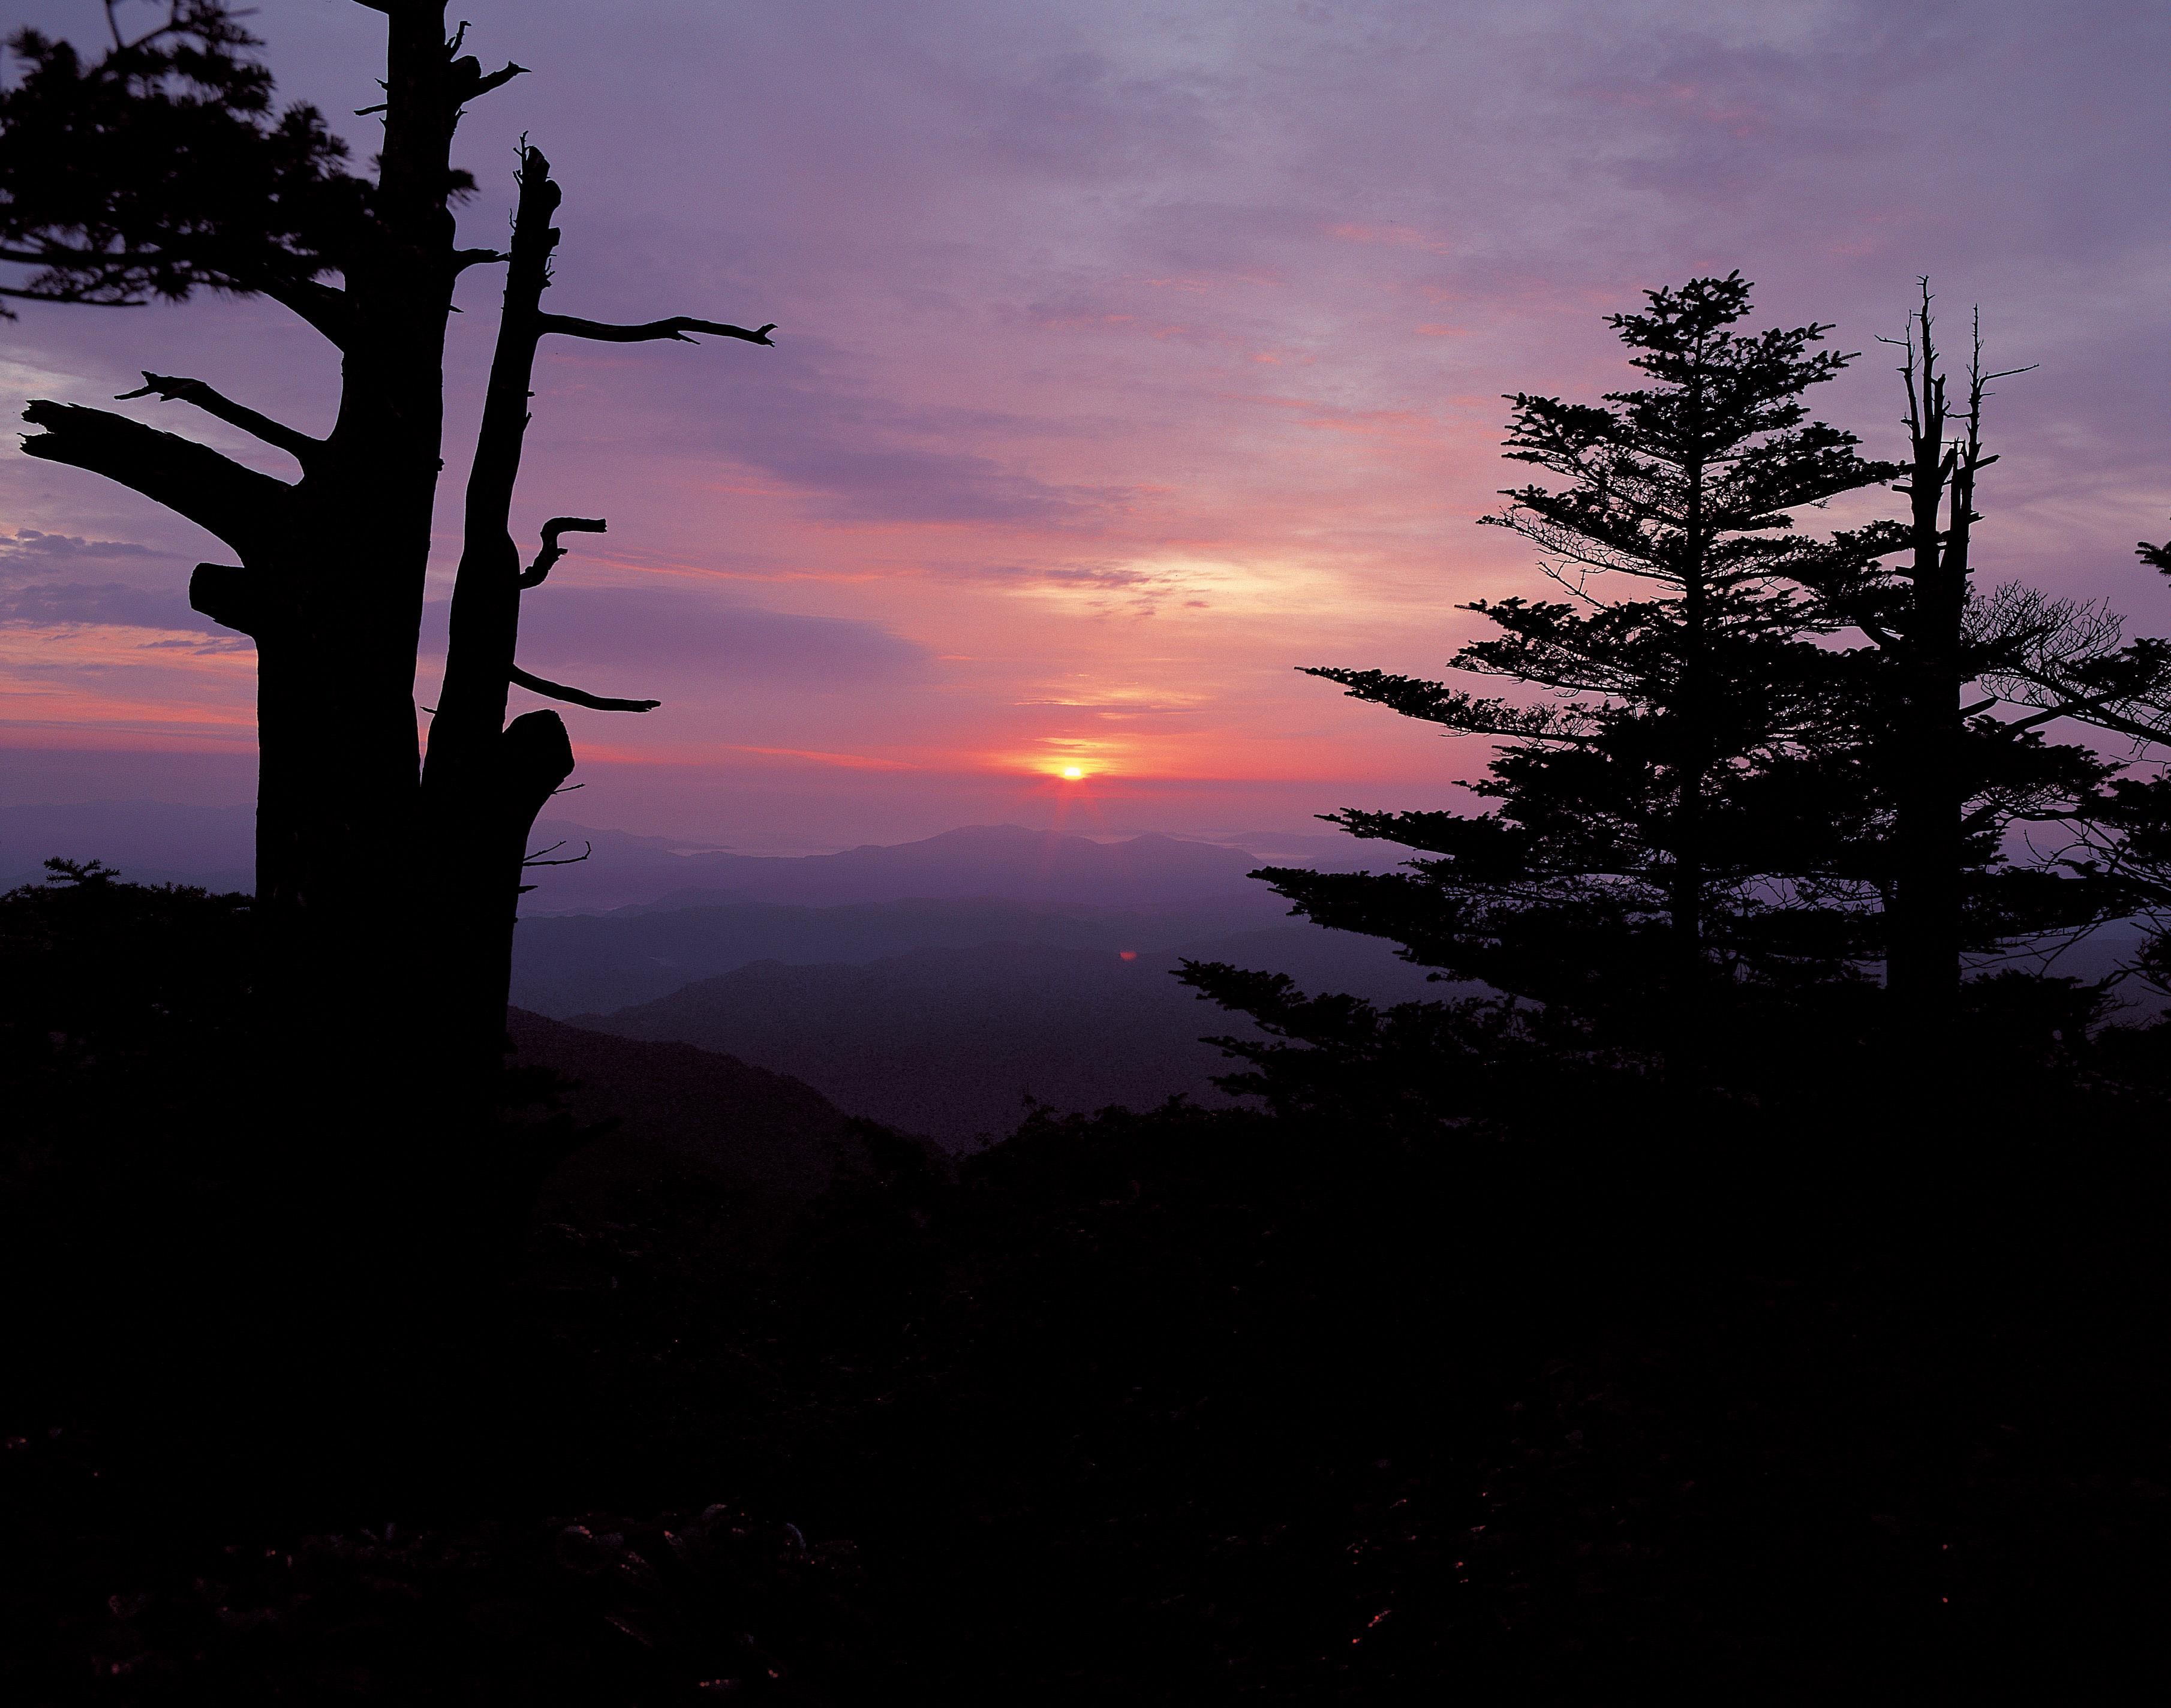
(162, 167)
(1435, 703)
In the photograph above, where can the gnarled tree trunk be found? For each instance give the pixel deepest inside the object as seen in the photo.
(387, 888)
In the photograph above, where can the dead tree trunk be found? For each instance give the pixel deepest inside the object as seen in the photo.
(330, 583)
(387, 890)
(1926, 919)
(484, 781)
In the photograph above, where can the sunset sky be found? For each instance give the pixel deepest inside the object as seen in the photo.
(1129, 356)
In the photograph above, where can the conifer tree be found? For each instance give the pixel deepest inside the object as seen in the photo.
(1675, 810)
(1714, 817)
(2060, 659)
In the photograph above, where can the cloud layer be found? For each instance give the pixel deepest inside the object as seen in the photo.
(1130, 354)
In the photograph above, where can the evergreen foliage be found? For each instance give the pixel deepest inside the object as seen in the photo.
(1680, 806)
(1717, 814)
(2123, 844)
(162, 167)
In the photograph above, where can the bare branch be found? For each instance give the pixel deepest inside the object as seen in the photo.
(2122, 713)
(576, 697)
(674, 329)
(242, 507)
(2075, 709)
(532, 577)
(537, 859)
(479, 82)
(176, 21)
(171, 389)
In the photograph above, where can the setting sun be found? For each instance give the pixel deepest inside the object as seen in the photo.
(1073, 773)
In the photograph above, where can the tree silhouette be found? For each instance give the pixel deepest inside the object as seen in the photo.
(1672, 806)
(1715, 815)
(1923, 956)
(159, 168)
(2065, 660)
(1959, 687)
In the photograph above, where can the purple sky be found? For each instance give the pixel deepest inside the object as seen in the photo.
(1128, 356)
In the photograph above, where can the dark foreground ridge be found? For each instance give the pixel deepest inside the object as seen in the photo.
(1175, 1407)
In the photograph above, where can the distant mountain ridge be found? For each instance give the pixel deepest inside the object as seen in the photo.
(595, 963)
(950, 1041)
(571, 963)
(157, 842)
(1005, 862)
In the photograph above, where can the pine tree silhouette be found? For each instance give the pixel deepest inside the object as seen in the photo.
(1742, 765)
(1674, 814)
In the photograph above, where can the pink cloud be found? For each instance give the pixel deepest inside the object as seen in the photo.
(1035, 270)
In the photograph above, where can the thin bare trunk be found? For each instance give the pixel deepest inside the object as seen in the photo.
(1691, 975)
(1923, 965)
(483, 783)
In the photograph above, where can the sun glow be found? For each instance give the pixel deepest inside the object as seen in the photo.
(1071, 773)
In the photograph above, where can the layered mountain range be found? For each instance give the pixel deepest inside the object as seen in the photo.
(934, 986)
